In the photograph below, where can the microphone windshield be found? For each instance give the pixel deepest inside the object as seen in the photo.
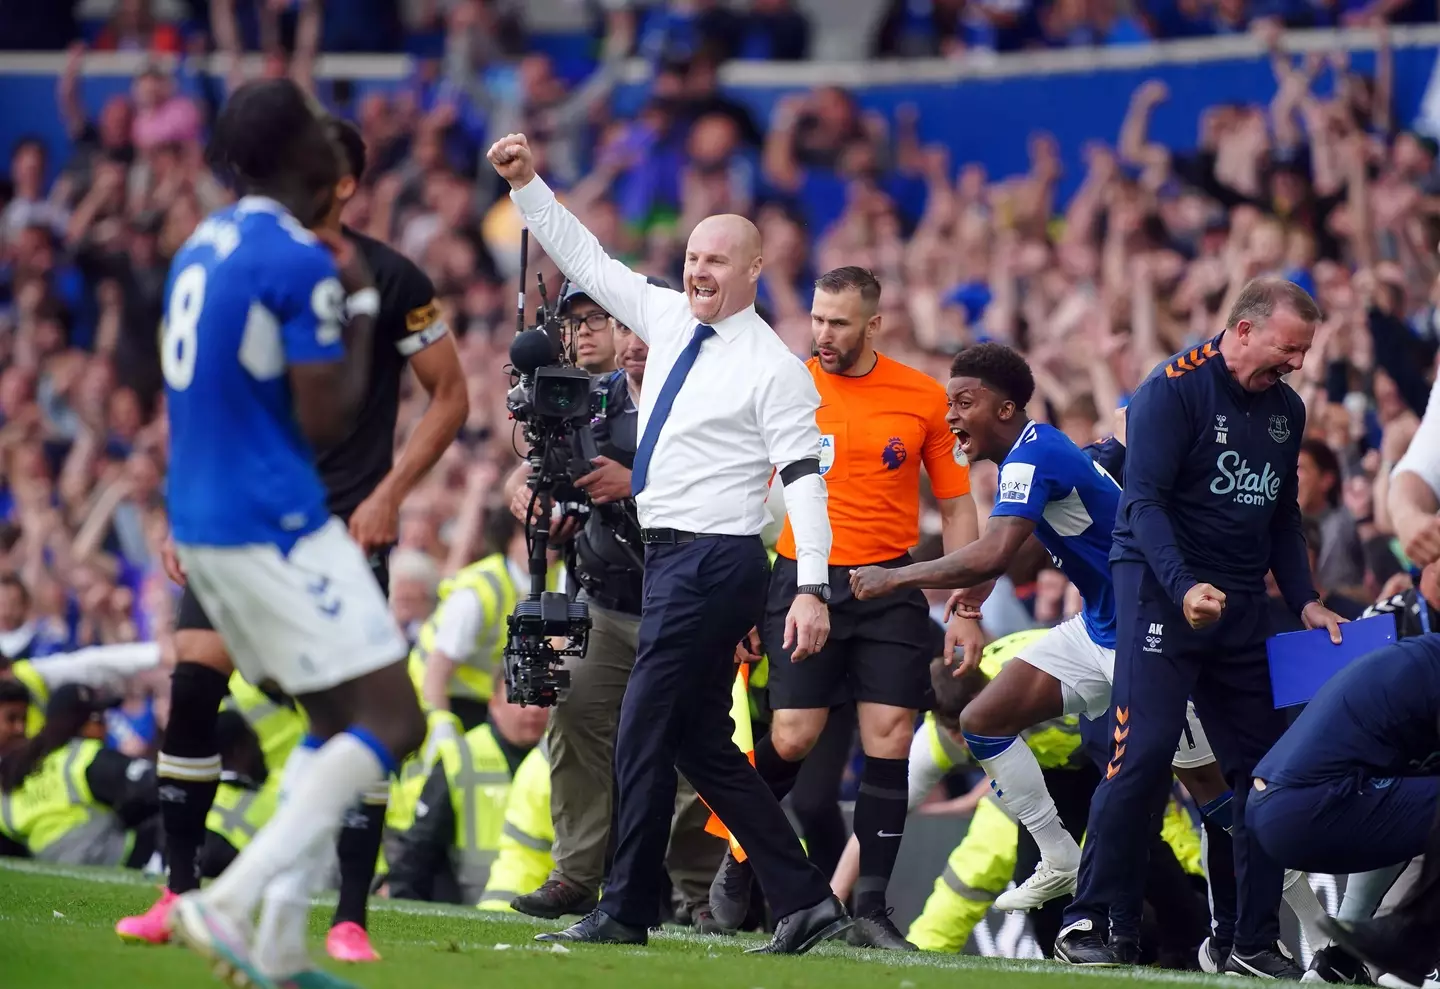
(533, 349)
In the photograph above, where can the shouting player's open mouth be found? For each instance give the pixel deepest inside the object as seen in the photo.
(963, 438)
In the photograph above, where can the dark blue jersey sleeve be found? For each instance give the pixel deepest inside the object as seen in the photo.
(1156, 424)
(1289, 557)
(1109, 453)
(1027, 483)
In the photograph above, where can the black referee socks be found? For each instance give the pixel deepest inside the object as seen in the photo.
(880, 811)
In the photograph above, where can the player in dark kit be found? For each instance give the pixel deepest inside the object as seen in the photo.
(1209, 506)
(366, 484)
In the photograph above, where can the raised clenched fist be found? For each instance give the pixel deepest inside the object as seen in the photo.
(513, 159)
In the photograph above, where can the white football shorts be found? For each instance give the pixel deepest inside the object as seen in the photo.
(309, 620)
(1086, 671)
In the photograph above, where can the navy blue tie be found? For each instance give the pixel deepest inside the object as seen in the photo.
(664, 404)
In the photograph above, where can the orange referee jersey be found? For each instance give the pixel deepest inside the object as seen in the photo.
(875, 432)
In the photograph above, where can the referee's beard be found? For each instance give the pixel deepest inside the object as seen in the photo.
(842, 361)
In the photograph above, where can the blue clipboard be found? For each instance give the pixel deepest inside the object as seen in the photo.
(1301, 662)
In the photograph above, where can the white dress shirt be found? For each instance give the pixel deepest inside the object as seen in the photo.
(748, 404)
(1422, 457)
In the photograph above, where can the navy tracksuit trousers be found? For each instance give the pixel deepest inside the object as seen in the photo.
(1160, 663)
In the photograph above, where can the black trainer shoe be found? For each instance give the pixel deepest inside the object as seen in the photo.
(876, 930)
(1079, 944)
(730, 892)
(1335, 964)
(1390, 943)
(798, 932)
(1269, 963)
(555, 899)
(1213, 956)
(598, 927)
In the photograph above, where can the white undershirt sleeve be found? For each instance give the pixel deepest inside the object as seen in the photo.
(1423, 456)
(457, 630)
(806, 501)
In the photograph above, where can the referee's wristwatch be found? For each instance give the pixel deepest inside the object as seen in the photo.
(821, 591)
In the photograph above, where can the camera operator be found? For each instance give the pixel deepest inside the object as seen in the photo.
(605, 557)
(589, 326)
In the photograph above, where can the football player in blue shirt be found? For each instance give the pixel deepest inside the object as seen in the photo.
(1052, 490)
(261, 367)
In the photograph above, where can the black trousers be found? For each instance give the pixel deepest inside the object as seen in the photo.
(700, 599)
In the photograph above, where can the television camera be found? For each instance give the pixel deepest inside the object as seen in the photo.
(552, 399)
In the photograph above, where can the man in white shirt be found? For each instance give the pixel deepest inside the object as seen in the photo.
(732, 405)
(1414, 494)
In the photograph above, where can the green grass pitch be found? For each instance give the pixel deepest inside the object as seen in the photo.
(56, 932)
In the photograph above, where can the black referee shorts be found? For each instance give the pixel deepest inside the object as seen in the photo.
(190, 615)
(878, 651)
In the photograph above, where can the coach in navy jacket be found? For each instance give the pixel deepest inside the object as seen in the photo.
(1209, 506)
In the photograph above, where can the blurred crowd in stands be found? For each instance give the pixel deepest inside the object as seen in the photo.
(746, 29)
(1139, 263)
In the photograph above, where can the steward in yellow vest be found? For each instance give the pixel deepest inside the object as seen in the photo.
(249, 790)
(461, 646)
(277, 721)
(524, 860)
(102, 667)
(14, 714)
(66, 798)
(446, 827)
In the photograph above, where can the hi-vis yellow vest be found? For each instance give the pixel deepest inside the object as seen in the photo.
(279, 727)
(55, 816)
(525, 859)
(478, 776)
(239, 812)
(24, 671)
(492, 583)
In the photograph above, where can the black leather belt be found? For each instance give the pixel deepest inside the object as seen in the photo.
(672, 537)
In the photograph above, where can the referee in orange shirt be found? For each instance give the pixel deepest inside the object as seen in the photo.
(879, 421)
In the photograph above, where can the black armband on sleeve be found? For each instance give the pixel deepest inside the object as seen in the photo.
(799, 469)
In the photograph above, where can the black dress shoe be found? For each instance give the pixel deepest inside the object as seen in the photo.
(798, 932)
(1393, 944)
(876, 930)
(598, 927)
(555, 899)
(730, 892)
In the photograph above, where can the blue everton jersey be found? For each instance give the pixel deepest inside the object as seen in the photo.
(250, 293)
(1049, 480)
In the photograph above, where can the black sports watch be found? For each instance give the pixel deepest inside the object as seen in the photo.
(821, 591)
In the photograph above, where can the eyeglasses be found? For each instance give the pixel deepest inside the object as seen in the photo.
(595, 321)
